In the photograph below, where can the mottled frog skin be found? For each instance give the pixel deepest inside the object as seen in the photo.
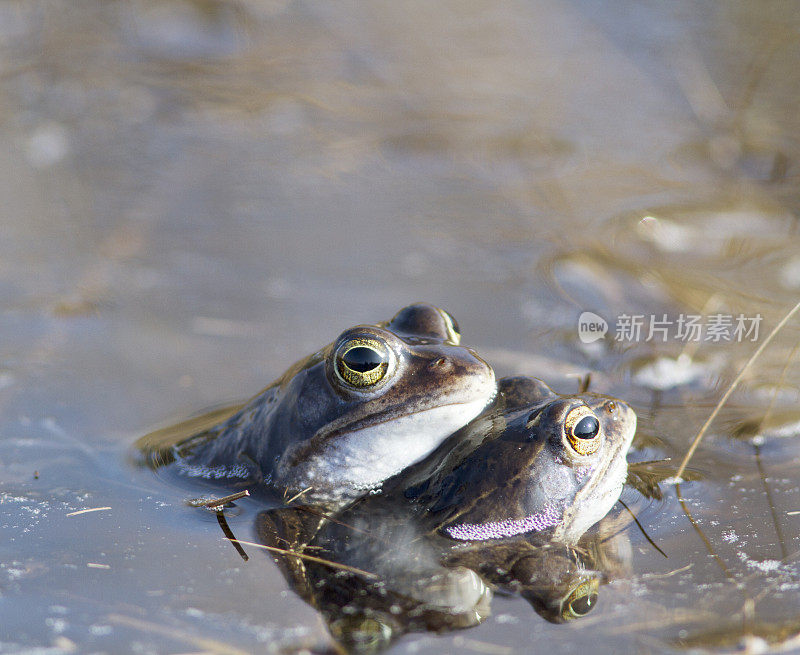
(341, 421)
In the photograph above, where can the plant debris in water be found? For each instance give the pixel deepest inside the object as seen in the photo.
(217, 503)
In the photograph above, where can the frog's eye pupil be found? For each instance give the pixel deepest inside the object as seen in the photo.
(583, 605)
(587, 428)
(363, 359)
(582, 430)
(363, 363)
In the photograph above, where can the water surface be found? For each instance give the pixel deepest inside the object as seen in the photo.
(196, 194)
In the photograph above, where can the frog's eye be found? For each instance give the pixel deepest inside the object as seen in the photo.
(580, 601)
(362, 363)
(453, 331)
(583, 430)
(362, 633)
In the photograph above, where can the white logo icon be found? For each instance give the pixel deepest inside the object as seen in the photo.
(591, 327)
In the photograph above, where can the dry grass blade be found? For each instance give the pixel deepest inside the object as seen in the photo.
(86, 511)
(208, 645)
(310, 558)
(328, 517)
(298, 494)
(481, 646)
(732, 387)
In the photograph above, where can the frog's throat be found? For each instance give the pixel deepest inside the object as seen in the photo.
(481, 391)
(365, 458)
(549, 517)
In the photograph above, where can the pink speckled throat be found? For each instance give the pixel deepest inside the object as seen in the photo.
(508, 528)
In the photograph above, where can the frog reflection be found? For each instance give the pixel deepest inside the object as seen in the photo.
(366, 613)
(341, 421)
(502, 504)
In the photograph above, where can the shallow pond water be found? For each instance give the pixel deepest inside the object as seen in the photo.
(196, 194)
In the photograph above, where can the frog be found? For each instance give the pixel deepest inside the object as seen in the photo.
(534, 462)
(501, 504)
(339, 422)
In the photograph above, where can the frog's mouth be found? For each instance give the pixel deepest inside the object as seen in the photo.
(364, 457)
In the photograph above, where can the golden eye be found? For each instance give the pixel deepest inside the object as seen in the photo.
(583, 430)
(362, 363)
(580, 601)
(453, 331)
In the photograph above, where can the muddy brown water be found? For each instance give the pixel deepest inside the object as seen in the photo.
(195, 194)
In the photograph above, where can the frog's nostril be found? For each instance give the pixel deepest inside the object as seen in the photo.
(439, 363)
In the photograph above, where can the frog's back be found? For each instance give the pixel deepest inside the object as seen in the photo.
(213, 446)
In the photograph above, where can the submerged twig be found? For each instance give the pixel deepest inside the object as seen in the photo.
(757, 449)
(311, 558)
(732, 387)
(772, 508)
(226, 530)
(702, 534)
(641, 527)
